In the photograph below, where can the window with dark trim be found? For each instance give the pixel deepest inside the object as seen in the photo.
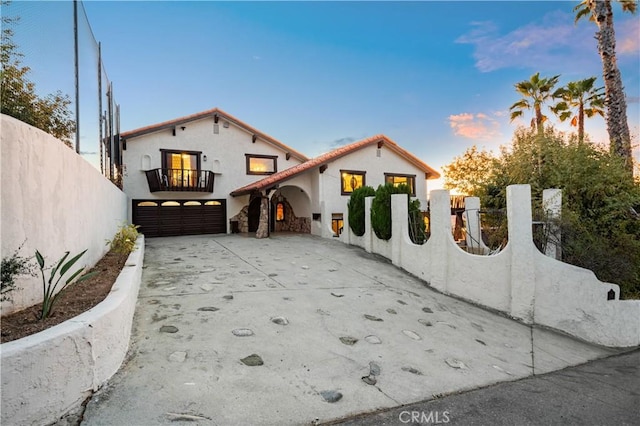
(261, 164)
(400, 179)
(337, 223)
(350, 180)
(180, 168)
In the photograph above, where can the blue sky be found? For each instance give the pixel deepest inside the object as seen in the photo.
(436, 77)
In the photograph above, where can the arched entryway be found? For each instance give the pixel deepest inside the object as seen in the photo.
(290, 210)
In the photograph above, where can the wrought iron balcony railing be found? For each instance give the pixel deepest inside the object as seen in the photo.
(180, 180)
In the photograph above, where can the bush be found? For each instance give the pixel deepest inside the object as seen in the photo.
(125, 240)
(12, 267)
(356, 208)
(381, 208)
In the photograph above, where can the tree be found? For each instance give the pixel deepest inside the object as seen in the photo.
(536, 93)
(469, 172)
(586, 98)
(600, 226)
(601, 12)
(18, 94)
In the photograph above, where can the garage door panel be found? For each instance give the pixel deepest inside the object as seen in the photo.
(171, 218)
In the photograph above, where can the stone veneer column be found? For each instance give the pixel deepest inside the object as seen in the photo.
(263, 225)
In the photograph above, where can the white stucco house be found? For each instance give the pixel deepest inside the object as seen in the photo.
(212, 173)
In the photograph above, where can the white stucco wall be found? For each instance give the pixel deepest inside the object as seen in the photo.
(48, 374)
(54, 201)
(225, 153)
(519, 281)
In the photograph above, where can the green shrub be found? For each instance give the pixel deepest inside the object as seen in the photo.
(125, 239)
(381, 208)
(356, 208)
(49, 286)
(12, 267)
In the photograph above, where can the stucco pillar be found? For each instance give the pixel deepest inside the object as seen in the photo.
(399, 225)
(345, 237)
(368, 231)
(552, 206)
(474, 230)
(263, 225)
(441, 237)
(522, 252)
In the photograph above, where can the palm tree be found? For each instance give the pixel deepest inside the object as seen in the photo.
(536, 92)
(582, 95)
(601, 12)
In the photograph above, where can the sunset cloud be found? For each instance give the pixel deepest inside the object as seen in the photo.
(474, 126)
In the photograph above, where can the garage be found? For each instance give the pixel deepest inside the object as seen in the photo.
(165, 218)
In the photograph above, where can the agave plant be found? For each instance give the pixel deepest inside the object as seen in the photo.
(49, 286)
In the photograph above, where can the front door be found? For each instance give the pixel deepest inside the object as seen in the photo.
(254, 214)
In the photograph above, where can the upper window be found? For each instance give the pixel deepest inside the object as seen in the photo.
(180, 160)
(350, 180)
(397, 179)
(261, 164)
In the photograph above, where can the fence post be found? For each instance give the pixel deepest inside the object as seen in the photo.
(399, 225)
(474, 230)
(368, 231)
(522, 251)
(552, 206)
(441, 237)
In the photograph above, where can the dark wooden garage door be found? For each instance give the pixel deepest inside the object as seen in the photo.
(164, 218)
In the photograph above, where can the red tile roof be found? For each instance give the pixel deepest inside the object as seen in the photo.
(283, 175)
(211, 113)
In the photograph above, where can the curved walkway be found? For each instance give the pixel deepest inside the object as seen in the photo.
(296, 329)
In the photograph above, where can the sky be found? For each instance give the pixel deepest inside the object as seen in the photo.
(435, 76)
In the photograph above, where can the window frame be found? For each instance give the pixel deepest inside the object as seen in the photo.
(165, 152)
(362, 173)
(248, 158)
(387, 176)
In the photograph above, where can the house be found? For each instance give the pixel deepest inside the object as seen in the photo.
(212, 173)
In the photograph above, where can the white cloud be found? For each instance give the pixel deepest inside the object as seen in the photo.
(545, 44)
(478, 126)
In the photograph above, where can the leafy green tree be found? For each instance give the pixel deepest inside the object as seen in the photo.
(600, 226)
(381, 208)
(469, 172)
(601, 12)
(584, 96)
(18, 94)
(536, 93)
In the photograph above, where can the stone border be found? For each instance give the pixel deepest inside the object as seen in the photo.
(49, 374)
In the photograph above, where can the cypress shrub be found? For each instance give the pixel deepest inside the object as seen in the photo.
(356, 208)
(381, 208)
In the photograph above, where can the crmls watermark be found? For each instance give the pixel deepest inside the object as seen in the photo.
(424, 417)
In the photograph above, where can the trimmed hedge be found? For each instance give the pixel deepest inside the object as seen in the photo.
(381, 208)
(356, 208)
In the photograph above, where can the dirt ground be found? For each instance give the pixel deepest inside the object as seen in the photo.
(74, 300)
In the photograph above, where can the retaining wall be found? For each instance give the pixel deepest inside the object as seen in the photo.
(519, 281)
(48, 374)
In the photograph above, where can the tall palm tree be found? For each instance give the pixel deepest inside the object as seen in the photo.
(601, 12)
(536, 93)
(586, 98)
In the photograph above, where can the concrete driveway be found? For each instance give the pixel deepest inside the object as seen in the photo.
(296, 329)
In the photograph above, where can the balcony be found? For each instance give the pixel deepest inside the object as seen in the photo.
(180, 180)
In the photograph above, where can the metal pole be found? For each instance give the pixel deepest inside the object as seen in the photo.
(100, 141)
(75, 39)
